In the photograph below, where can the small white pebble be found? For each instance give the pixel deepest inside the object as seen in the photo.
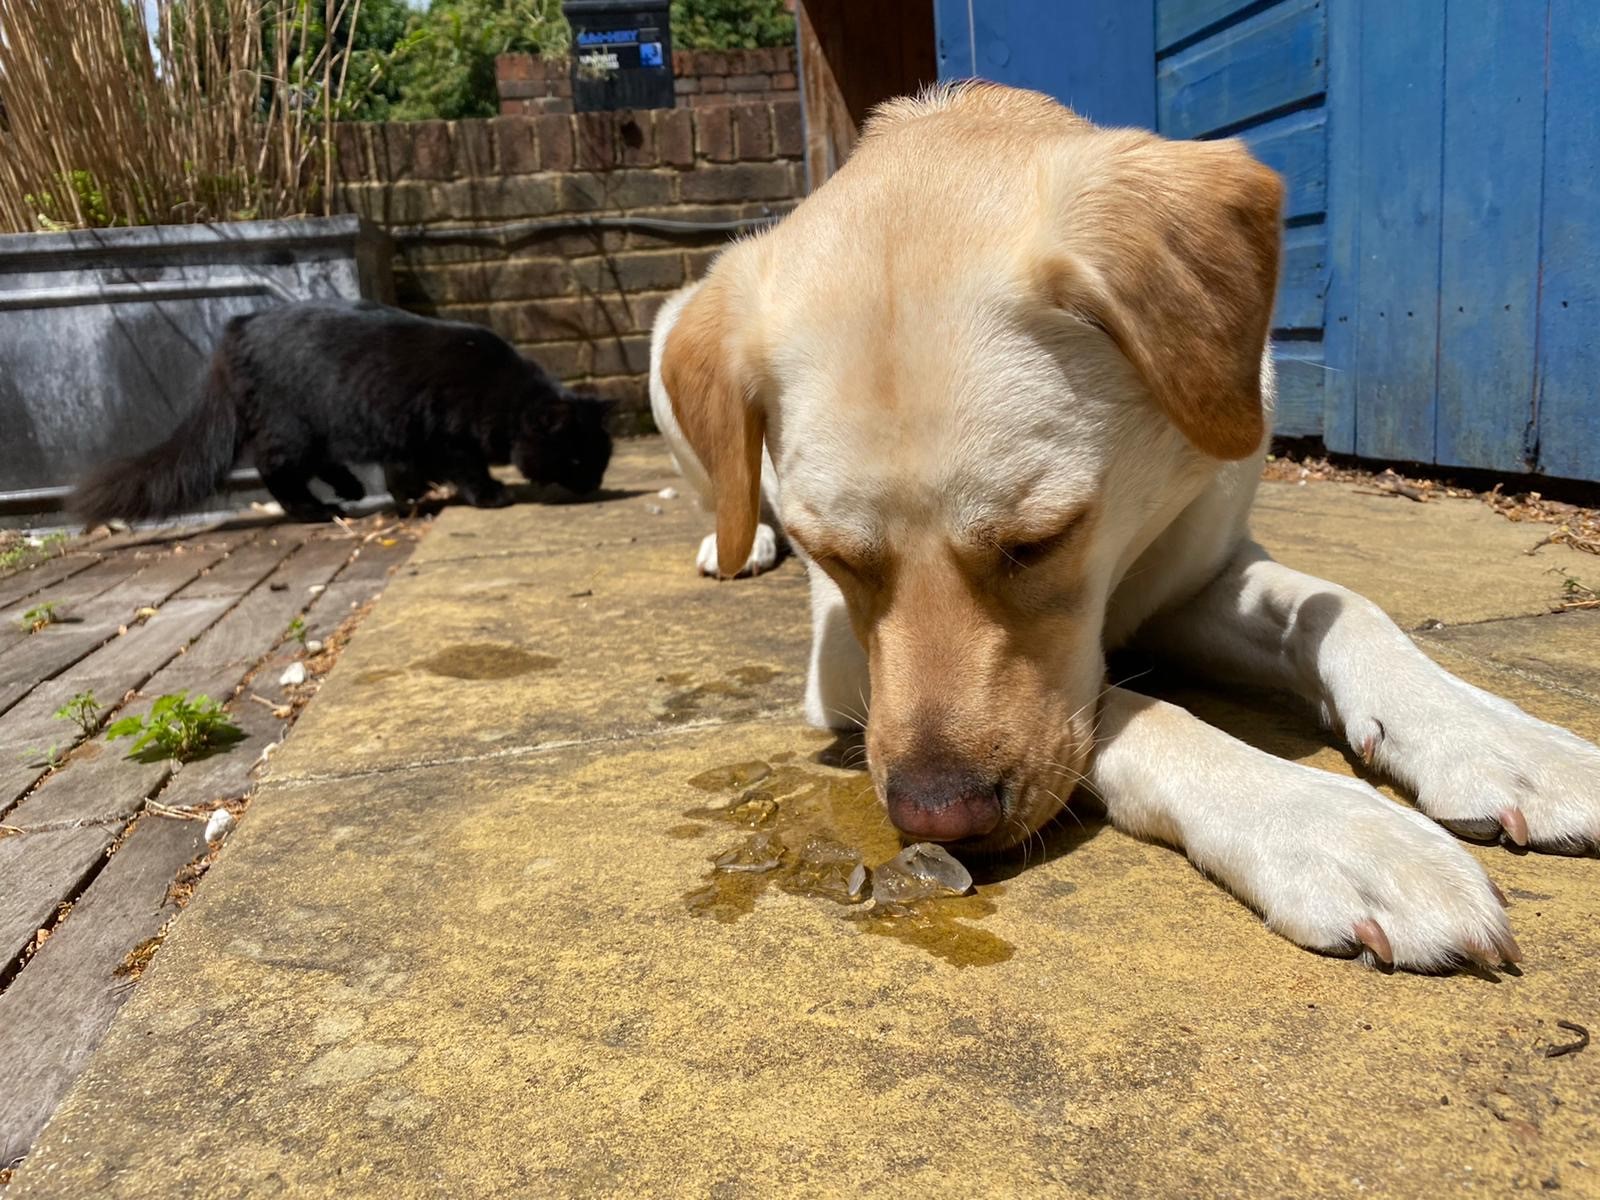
(316, 589)
(218, 826)
(313, 647)
(294, 676)
(668, 493)
(655, 510)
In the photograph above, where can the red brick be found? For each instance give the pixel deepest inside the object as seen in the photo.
(685, 85)
(752, 129)
(789, 129)
(393, 150)
(748, 83)
(785, 81)
(520, 89)
(513, 66)
(565, 360)
(636, 139)
(350, 151)
(556, 151)
(621, 356)
(740, 181)
(714, 134)
(597, 141)
(683, 63)
(623, 191)
(599, 315)
(518, 148)
(675, 136)
(471, 148)
(630, 272)
(698, 262)
(713, 83)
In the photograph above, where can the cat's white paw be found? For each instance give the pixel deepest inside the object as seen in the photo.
(763, 554)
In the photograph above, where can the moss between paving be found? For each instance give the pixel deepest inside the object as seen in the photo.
(449, 951)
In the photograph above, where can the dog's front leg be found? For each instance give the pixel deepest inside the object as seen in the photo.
(1326, 860)
(838, 685)
(1476, 763)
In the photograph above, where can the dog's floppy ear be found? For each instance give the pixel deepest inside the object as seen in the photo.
(1172, 249)
(713, 398)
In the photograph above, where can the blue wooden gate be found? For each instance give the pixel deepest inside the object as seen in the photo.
(1442, 246)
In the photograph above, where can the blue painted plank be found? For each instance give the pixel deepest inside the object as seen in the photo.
(1341, 332)
(1489, 219)
(953, 30)
(1093, 55)
(1296, 146)
(1271, 60)
(1180, 19)
(1569, 351)
(1402, 91)
(1301, 378)
(1303, 279)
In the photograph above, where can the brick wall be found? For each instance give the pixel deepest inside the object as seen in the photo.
(530, 86)
(579, 300)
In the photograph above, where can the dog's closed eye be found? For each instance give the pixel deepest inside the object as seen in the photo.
(1021, 553)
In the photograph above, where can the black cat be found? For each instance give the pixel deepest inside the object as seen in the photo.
(307, 388)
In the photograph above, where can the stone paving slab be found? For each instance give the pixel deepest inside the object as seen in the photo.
(481, 964)
(1450, 560)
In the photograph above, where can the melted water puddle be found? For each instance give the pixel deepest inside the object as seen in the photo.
(826, 837)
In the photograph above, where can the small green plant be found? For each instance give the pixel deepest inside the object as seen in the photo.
(297, 630)
(25, 551)
(42, 757)
(177, 728)
(83, 710)
(46, 612)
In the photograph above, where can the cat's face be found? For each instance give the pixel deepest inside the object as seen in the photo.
(565, 442)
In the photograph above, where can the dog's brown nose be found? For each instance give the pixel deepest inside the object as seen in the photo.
(938, 804)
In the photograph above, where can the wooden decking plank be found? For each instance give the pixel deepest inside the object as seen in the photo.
(120, 666)
(249, 564)
(126, 662)
(363, 580)
(69, 594)
(56, 1011)
(101, 785)
(29, 581)
(56, 647)
(217, 662)
(42, 870)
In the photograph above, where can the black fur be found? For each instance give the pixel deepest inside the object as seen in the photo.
(307, 388)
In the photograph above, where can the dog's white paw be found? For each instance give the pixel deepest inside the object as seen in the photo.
(1334, 866)
(763, 554)
(1481, 766)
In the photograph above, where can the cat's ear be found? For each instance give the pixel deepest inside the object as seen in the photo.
(713, 397)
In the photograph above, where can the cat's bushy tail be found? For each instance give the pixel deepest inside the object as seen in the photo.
(178, 474)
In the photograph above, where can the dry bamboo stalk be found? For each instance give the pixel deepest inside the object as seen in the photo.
(110, 121)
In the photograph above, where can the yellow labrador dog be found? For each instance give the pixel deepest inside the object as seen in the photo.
(1010, 373)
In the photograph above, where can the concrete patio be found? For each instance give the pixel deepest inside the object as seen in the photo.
(464, 942)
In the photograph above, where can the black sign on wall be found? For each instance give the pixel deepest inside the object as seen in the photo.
(621, 54)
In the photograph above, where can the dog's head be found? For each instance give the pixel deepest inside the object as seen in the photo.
(564, 440)
(992, 357)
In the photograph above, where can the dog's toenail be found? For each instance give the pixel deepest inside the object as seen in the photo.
(1372, 936)
(1510, 952)
(1515, 825)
